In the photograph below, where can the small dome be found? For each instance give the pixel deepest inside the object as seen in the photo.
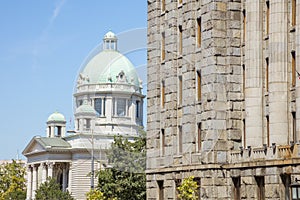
(110, 35)
(56, 117)
(85, 109)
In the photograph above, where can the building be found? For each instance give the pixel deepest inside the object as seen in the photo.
(109, 102)
(223, 98)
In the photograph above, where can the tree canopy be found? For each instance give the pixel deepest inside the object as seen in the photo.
(12, 181)
(125, 177)
(50, 190)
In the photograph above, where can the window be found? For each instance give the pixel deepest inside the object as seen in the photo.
(244, 133)
(180, 40)
(244, 79)
(199, 137)
(163, 5)
(293, 69)
(199, 32)
(198, 85)
(198, 193)
(137, 109)
(268, 130)
(267, 74)
(79, 103)
(295, 138)
(87, 124)
(179, 140)
(260, 181)
(162, 95)
(267, 17)
(180, 90)
(293, 12)
(177, 184)
(121, 107)
(163, 53)
(244, 25)
(286, 180)
(237, 188)
(98, 106)
(160, 184)
(162, 142)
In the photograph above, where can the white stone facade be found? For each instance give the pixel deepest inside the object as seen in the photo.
(223, 97)
(108, 102)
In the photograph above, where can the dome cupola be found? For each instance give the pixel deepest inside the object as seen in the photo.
(110, 41)
(56, 125)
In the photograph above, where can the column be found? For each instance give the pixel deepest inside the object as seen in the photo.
(298, 69)
(34, 180)
(29, 183)
(254, 74)
(278, 78)
(52, 131)
(50, 169)
(70, 178)
(64, 181)
(44, 172)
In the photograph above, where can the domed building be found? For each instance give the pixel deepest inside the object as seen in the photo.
(108, 102)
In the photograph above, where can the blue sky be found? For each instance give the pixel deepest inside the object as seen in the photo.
(42, 47)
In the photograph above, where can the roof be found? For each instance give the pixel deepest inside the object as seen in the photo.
(85, 109)
(53, 143)
(56, 117)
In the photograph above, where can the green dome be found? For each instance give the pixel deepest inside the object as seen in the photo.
(85, 109)
(106, 66)
(56, 117)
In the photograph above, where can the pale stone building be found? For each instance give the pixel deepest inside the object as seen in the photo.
(108, 102)
(223, 98)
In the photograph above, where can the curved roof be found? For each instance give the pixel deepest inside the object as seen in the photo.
(85, 109)
(56, 117)
(106, 66)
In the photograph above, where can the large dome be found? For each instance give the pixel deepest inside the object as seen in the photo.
(108, 65)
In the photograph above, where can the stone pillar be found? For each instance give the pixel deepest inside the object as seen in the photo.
(64, 174)
(29, 183)
(278, 78)
(44, 172)
(52, 131)
(254, 74)
(70, 178)
(34, 180)
(50, 169)
(297, 28)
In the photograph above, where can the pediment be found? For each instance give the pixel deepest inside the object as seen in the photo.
(33, 147)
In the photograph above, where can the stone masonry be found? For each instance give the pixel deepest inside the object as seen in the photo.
(223, 98)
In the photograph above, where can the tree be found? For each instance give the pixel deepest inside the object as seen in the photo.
(50, 190)
(188, 189)
(12, 181)
(95, 195)
(126, 178)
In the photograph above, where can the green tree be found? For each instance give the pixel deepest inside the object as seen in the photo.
(50, 190)
(12, 181)
(125, 178)
(188, 189)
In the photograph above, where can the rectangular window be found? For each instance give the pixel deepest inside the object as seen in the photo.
(180, 40)
(88, 124)
(199, 142)
(244, 25)
(137, 109)
(237, 188)
(121, 107)
(260, 181)
(198, 193)
(160, 184)
(179, 90)
(177, 184)
(179, 140)
(163, 5)
(267, 17)
(293, 69)
(199, 32)
(244, 79)
(295, 139)
(104, 103)
(293, 12)
(286, 180)
(198, 85)
(268, 130)
(244, 133)
(162, 95)
(98, 106)
(267, 74)
(162, 142)
(163, 53)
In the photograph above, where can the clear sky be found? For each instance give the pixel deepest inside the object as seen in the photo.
(42, 47)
